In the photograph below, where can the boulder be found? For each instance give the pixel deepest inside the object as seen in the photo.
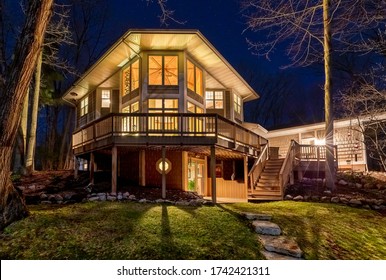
(325, 199)
(359, 186)
(93, 198)
(256, 216)
(342, 182)
(288, 197)
(282, 245)
(355, 202)
(298, 198)
(343, 200)
(315, 198)
(335, 199)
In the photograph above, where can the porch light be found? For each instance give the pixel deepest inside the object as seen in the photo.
(159, 166)
(320, 142)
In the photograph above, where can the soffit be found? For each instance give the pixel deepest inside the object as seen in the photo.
(105, 72)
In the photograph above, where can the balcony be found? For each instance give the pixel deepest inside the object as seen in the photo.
(181, 129)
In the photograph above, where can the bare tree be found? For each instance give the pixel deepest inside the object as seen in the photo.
(308, 28)
(15, 78)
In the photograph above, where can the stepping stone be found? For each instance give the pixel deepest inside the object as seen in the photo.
(255, 216)
(282, 245)
(275, 256)
(265, 227)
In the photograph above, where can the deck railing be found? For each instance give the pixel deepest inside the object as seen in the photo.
(258, 166)
(182, 125)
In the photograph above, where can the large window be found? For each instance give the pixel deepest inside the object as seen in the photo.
(194, 79)
(237, 103)
(84, 107)
(195, 123)
(106, 95)
(130, 78)
(214, 99)
(131, 123)
(163, 70)
(163, 123)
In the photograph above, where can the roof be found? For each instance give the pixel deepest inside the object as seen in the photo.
(105, 71)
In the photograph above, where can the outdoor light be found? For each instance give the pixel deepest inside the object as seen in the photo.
(320, 142)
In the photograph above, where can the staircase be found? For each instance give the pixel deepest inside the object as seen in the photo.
(267, 186)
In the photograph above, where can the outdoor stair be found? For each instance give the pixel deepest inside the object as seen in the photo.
(269, 178)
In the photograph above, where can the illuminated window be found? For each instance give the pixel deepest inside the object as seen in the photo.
(131, 123)
(237, 103)
(214, 99)
(133, 108)
(195, 123)
(194, 78)
(163, 122)
(163, 70)
(84, 107)
(105, 98)
(130, 78)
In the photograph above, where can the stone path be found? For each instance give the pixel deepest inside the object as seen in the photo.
(276, 246)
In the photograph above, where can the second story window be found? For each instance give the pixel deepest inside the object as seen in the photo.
(237, 103)
(84, 107)
(163, 70)
(214, 99)
(130, 78)
(194, 78)
(133, 108)
(106, 98)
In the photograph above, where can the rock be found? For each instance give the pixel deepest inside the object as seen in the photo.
(298, 198)
(342, 182)
(382, 207)
(111, 198)
(119, 196)
(335, 199)
(325, 199)
(126, 195)
(132, 197)
(143, 200)
(32, 188)
(195, 202)
(208, 203)
(265, 227)
(182, 203)
(315, 198)
(169, 202)
(282, 245)
(375, 207)
(366, 207)
(288, 197)
(68, 196)
(275, 256)
(160, 201)
(359, 186)
(45, 202)
(101, 194)
(51, 197)
(328, 192)
(102, 198)
(93, 198)
(43, 196)
(355, 202)
(379, 202)
(256, 216)
(343, 200)
(58, 197)
(307, 198)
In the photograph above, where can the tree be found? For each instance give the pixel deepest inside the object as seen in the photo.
(15, 78)
(308, 28)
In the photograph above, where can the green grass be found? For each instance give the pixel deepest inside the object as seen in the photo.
(150, 231)
(327, 231)
(129, 231)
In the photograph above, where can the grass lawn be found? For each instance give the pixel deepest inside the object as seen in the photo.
(327, 231)
(129, 231)
(150, 231)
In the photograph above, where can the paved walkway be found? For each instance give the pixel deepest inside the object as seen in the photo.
(276, 246)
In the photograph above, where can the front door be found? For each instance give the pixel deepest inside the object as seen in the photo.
(196, 175)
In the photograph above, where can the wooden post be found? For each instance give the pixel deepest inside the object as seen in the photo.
(213, 172)
(300, 174)
(92, 166)
(142, 168)
(163, 172)
(246, 175)
(76, 167)
(114, 156)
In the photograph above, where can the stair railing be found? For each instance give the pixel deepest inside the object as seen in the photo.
(258, 167)
(285, 174)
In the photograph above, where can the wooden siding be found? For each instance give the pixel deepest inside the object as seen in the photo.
(283, 143)
(228, 189)
(129, 166)
(350, 146)
(91, 115)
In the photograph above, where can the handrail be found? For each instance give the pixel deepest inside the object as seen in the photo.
(253, 177)
(287, 166)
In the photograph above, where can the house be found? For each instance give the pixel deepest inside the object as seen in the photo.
(164, 108)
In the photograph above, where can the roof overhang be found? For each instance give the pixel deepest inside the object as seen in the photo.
(105, 71)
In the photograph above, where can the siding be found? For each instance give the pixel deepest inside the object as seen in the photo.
(283, 142)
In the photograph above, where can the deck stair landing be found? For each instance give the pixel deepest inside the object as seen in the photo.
(268, 185)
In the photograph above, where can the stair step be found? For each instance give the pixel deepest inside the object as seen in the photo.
(282, 245)
(269, 176)
(276, 256)
(268, 184)
(269, 180)
(256, 216)
(266, 228)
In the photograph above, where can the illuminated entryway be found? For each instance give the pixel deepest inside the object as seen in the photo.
(196, 170)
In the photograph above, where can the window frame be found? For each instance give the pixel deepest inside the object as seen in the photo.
(163, 69)
(105, 99)
(129, 69)
(84, 106)
(214, 99)
(196, 83)
(237, 103)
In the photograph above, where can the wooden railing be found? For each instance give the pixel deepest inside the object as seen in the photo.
(258, 167)
(177, 126)
(288, 166)
(314, 152)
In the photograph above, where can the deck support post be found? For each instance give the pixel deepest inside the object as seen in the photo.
(246, 175)
(142, 168)
(114, 161)
(76, 168)
(163, 172)
(213, 172)
(292, 181)
(300, 174)
(92, 167)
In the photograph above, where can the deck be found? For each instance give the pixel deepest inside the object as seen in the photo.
(174, 129)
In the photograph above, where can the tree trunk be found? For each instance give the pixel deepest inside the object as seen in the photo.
(329, 118)
(14, 89)
(24, 129)
(66, 140)
(30, 160)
